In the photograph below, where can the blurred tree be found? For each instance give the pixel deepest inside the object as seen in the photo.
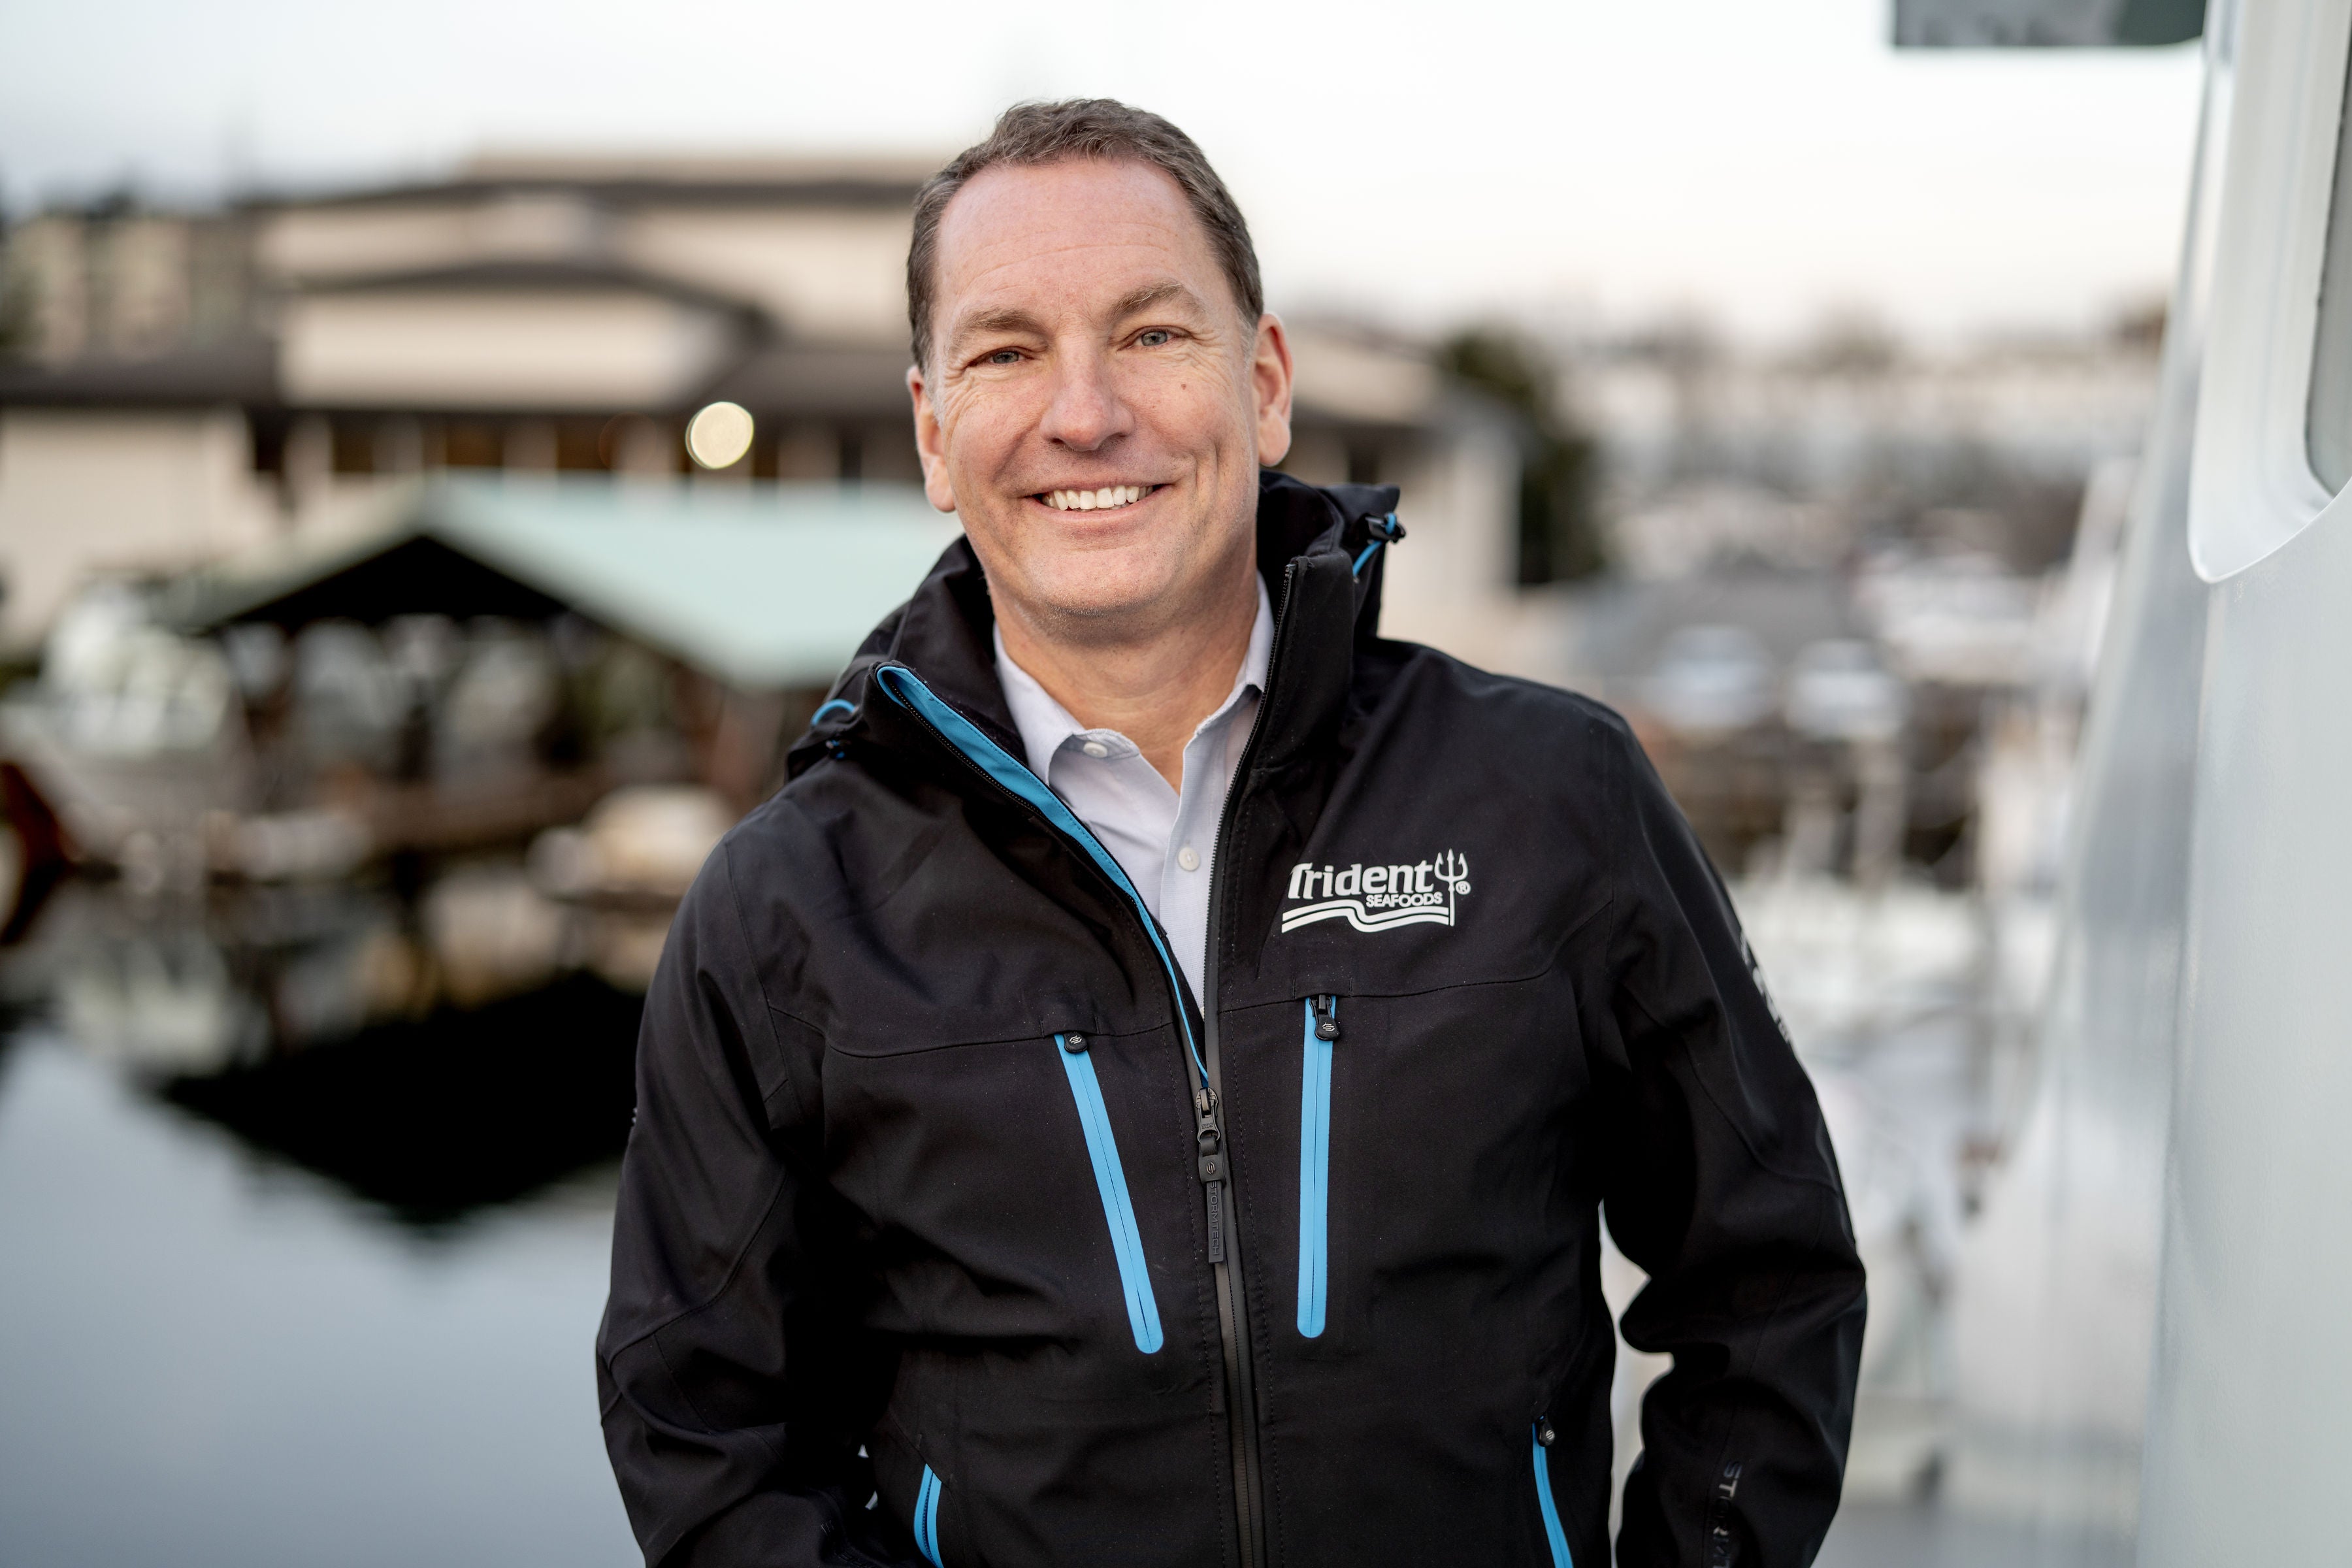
(1560, 536)
(1851, 341)
(15, 300)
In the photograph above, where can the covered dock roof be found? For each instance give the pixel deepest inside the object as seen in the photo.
(761, 586)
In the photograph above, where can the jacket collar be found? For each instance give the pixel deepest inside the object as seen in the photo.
(1308, 539)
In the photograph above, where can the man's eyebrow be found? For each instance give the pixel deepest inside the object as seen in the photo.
(1153, 294)
(989, 322)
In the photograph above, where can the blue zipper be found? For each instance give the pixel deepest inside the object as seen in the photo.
(1110, 1180)
(1553, 1535)
(1314, 1164)
(927, 1518)
(992, 760)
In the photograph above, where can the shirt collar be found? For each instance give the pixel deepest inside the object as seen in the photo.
(1046, 726)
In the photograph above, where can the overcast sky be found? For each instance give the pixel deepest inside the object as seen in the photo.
(1763, 163)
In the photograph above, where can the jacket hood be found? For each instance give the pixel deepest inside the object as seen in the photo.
(1311, 540)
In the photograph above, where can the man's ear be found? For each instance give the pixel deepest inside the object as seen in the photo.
(1270, 375)
(930, 443)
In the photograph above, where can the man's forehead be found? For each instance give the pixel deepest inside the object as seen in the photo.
(1094, 228)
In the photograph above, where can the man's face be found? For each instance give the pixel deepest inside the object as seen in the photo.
(1085, 340)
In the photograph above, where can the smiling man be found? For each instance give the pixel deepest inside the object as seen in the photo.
(1146, 1090)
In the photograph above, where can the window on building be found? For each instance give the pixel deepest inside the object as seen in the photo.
(353, 444)
(472, 443)
(578, 445)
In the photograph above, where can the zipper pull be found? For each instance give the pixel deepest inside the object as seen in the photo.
(1327, 1017)
(1210, 1138)
(1211, 1145)
(1210, 1148)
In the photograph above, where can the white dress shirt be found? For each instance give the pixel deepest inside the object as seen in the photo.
(1161, 838)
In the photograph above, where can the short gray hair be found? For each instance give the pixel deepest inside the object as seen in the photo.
(1031, 134)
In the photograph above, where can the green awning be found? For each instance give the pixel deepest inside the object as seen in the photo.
(761, 586)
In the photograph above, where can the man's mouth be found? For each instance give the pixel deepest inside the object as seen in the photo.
(1103, 499)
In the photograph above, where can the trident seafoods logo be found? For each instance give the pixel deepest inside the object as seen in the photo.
(1379, 898)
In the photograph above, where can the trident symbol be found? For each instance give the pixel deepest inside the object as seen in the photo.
(1453, 871)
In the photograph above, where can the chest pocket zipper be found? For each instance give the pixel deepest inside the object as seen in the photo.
(1314, 1162)
(927, 1518)
(1110, 1181)
(1554, 1537)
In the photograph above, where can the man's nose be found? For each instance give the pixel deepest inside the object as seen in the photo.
(1087, 411)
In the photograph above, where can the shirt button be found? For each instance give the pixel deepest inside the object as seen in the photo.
(1094, 749)
(1188, 857)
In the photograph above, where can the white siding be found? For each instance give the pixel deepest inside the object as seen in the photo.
(435, 349)
(83, 494)
(830, 275)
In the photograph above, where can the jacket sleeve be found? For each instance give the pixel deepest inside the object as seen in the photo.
(732, 1381)
(1720, 1183)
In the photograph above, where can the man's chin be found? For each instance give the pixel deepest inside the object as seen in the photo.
(1090, 597)
(1099, 609)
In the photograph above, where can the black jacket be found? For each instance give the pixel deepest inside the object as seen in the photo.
(925, 1197)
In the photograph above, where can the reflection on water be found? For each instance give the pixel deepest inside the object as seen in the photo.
(434, 1118)
(304, 1261)
(218, 1357)
(431, 1063)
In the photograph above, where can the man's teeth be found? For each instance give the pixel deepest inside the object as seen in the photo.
(1094, 500)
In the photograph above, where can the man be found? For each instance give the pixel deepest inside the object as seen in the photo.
(1143, 1091)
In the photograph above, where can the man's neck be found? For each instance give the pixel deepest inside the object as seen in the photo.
(1154, 689)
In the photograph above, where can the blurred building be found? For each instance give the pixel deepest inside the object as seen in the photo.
(1791, 459)
(188, 384)
(1926, 507)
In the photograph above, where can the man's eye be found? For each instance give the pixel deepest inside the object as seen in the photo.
(1154, 337)
(1004, 356)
